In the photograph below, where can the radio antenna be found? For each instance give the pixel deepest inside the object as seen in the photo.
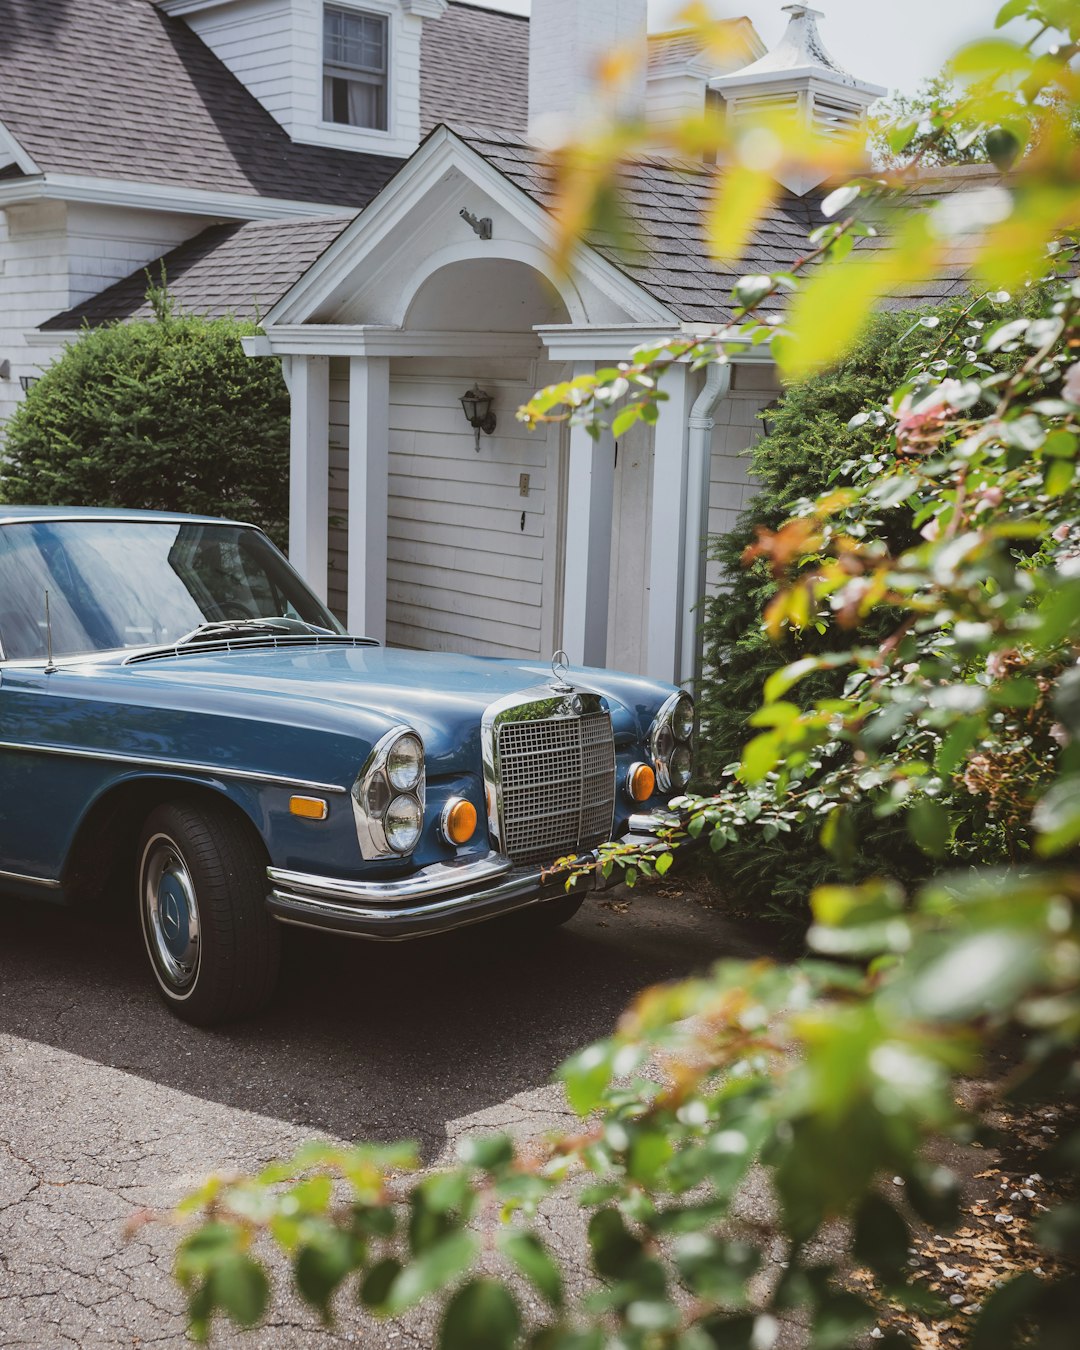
(50, 665)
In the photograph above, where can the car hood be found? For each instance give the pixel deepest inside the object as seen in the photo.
(441, 695)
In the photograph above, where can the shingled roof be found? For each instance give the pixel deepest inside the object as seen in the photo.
(116, 89)
(228, 269)
(666, 203)
(474, 67)
(245, 270)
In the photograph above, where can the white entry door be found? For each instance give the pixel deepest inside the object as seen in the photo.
(472, 534)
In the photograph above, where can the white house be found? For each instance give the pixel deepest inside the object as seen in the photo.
(270, 118)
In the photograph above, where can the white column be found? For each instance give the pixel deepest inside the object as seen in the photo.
(587, 568)
(309, 469)
(369, 436)
(667, 528)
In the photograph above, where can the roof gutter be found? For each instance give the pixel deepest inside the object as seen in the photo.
(160, 197)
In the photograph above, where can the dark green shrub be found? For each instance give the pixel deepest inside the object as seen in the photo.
(807, 442)
(167, 414)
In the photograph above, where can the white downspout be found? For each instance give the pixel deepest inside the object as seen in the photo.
(699, 454)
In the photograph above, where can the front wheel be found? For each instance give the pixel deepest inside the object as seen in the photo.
(213, 946)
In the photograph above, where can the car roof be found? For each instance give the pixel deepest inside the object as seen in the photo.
(12, 514)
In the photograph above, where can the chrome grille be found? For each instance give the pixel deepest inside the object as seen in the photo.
(557, 785)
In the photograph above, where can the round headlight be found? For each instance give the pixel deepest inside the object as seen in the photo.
(681, 766)
(405, 763)
(664, 742)
(402, 823)
(682, 719)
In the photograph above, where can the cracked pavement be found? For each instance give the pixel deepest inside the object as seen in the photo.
(109, 1106)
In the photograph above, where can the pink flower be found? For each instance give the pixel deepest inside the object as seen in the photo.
(1062, 533)
(931, 530)
(992, 496)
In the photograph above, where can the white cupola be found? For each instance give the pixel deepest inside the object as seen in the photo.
(799, 75)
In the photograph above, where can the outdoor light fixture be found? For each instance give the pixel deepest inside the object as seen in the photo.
(478, 414)
(27, 382)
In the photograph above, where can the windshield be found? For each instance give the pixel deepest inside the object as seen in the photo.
(135, 583)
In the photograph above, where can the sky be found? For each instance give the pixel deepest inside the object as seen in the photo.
(896, 43)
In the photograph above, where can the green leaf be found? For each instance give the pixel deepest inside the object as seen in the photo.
(378, 1282)
(780, 681)
(586, 1076)
(933, 1192)
(487, 1151)
(240, 1288)
(480, 1316)
(971, 976)
(1059, 1230)
(714, 1269)
(438, 1267)
(320, 1268)
(1012, 9)
(1059, 477)
(650, 1150)
(838, 835)
(751, 290)
(881, 1237)
(615, 1249)
(838, 199)
(1057, 817)
(1002, 148)
(1003, 1313)
(624, 420)
(534, 1261)
(929, 826)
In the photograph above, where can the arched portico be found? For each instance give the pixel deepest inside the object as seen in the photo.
(383, 335)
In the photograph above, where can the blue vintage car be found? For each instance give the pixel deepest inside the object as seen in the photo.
(182, 719)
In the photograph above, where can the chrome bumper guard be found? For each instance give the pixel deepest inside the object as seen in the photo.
(435, 899)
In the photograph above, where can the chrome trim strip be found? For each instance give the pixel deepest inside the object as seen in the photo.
(435, 880)
(48, 882)
(185, 766)
(399, 925)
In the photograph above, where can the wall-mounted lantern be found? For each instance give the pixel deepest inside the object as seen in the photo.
(27, 382)
(477, 406)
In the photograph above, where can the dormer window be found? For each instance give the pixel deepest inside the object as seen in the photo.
(355, 68)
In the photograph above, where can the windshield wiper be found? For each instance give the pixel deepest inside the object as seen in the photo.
(224, 628)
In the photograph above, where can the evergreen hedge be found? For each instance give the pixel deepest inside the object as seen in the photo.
(807, 441)
(166, 414)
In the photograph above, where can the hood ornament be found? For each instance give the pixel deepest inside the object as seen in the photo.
(560, 668)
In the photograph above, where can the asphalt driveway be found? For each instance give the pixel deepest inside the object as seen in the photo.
(109, 1106)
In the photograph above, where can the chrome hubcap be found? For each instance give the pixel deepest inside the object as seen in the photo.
(171, 914)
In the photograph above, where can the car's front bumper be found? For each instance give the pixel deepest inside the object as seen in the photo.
(436, 898)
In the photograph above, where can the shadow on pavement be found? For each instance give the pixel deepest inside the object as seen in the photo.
(363, 1040)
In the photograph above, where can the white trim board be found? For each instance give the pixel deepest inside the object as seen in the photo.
(340, 339)
(12, 152)
(162, 197)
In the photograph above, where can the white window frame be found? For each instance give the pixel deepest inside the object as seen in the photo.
(366, 10)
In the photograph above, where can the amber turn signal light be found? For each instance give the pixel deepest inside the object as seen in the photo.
(458, 821)
(640, 782)
(309, 808)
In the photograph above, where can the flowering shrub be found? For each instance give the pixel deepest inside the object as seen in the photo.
(833, 1074)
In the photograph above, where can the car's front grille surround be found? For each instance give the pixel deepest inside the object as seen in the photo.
(551, 776)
